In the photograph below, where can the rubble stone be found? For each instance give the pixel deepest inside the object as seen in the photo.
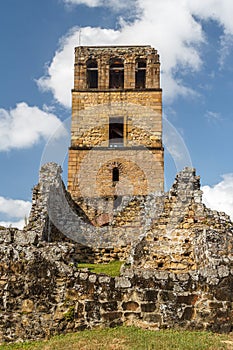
(174, 278)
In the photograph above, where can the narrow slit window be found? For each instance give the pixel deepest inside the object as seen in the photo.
(92, 74)
(116, 131)
(116, 74)
(140, 74)
(115, 174)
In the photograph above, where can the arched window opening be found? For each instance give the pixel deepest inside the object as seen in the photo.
(116, 73)
(92, 74)
(115, 174)
(140, 74)
(116, 131)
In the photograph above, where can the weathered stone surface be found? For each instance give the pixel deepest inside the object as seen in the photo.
(186, 236)
(130, 306)
(179, 268)
(91, 155)
(27, 306)
(161, 227)
(42, 292)
(175, 277)
(150, 307)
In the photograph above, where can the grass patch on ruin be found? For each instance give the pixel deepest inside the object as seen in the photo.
(130, 338)
(111, 269)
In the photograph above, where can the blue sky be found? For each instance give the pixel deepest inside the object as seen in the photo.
(195, 42)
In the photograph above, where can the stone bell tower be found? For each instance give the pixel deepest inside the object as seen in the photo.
(116, 133)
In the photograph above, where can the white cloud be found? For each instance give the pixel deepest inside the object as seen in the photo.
(14, 208)
(114, 4)
(220, 196)
(23, 126)
(18, 224)
(90, 3)
(225, 49)
(219, 10)
(213, 116)
(59, 77)
(172, 27)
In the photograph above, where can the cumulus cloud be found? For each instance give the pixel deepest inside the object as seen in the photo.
(24, 126)
(18, 224)
(220, 196)
(59, 77)
(218, 10)
(14, 209)
(221, 12)
(172, 27)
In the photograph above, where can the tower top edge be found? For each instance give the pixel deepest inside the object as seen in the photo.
(112, 46)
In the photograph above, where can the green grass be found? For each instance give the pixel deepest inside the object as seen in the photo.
(110, 269)
(130, 338)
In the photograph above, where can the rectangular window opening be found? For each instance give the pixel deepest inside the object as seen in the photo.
(140, 79)
(116, 132)
(116, 79)
(92, 78)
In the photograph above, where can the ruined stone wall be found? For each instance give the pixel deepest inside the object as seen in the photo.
(186, 236)
(53, 210)
(167, 231)
(179, 271)
(43, 293)
(56, 217)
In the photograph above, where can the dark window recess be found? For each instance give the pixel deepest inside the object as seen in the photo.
(140, 74)
(116, 131)
(117, 201)
(115, 174)
(92, 74)
(116, 74)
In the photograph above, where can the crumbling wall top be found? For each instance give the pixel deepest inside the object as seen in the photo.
(129, 52)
